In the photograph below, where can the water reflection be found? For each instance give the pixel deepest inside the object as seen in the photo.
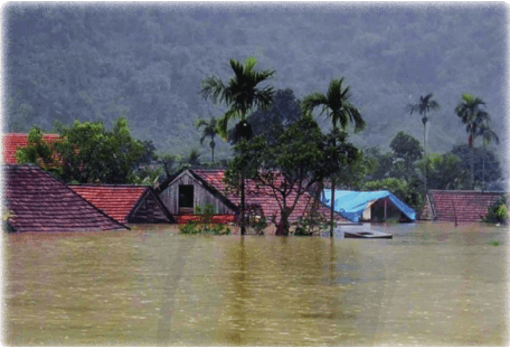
(429, 285)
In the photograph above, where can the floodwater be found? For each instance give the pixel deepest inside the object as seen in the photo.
(432, 284)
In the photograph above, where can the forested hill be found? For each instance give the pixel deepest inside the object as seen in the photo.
(94, 62)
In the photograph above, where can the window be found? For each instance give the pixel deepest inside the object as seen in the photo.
(186, 196)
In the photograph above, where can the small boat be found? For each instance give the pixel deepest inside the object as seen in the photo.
(366, 234)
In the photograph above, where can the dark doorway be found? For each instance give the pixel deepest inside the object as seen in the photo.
(186, 196)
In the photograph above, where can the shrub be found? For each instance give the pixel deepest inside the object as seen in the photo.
(498, 212)
(204, 226)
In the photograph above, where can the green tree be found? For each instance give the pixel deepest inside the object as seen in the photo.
(284, 111)
(425, 105)
(298, 159)
(445, 171)
(471, 112)
(337, 106)
(89, 153)
(472, 160)
(40, 151)
(406, 151)
(488, 136)
(241, 95)
(209, 130)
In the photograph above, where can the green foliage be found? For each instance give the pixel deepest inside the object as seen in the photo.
(7, 217)
(284, 111)
(308, 226)
(241, 94)
(300, 157)
(87, 152)
(406, 147)
(209, 130)
(61, 65)
(190, 228)
(494, 243)
(336, 105)
(39, 151)
(445, 171)
(498, 212)
(481, 162)
(204, 226)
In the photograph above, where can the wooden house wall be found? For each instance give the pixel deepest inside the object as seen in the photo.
(201, 196)
(148, 211)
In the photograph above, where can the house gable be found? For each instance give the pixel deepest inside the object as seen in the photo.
(203, 193)
(126, 203)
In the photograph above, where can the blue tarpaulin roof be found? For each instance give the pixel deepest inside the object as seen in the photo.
(351, 204)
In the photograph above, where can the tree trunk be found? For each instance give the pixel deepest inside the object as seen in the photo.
(484, 157)
(283, 227)
(425, 163)
(243, 231)
(472, 185)
(332, 201)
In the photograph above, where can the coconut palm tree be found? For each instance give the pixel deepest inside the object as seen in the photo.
(242, 96)
(210, 130)
(474, 117)
(488, 136)
(425, 104)
(336, 105)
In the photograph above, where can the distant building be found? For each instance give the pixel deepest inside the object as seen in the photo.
(463, 206)
(38, 202)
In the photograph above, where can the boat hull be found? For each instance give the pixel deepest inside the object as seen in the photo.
(366, 235)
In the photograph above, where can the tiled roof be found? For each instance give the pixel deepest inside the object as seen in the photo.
(39, 202)
(262, 197)
(118, 201)
(11, 142)
(468, 206)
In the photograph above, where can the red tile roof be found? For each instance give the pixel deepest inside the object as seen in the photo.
(263, 197)
(11, 142)
(468, 206)
(39, 202)
(119, 201)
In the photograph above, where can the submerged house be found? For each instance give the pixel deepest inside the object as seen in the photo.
(462, 206)
(369, 206)
(193, 188)
(36, 201)
(126, 203)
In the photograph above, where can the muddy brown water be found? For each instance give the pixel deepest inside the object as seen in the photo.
(432, 284)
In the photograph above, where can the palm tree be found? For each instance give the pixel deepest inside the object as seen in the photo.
(425, 105)
(336, 105)
(241, 95)
(473, 116)
(488, 136)
(210, 130)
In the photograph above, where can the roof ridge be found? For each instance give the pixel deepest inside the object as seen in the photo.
(468, 191)
(121, 185)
